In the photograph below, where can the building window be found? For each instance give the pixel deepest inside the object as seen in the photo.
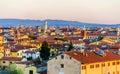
(91, 66)
(17, 54)
(62, 56)
(3, 61)
(118, 63)
(30, 71)
(117, 72)
(108, 64)
(62, 65)
(83, 67)
(10, 62)
(113, 72)
(97, 65)
(113, 63)
(103, 65)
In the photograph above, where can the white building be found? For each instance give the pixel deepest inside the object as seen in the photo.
(33, 54)
(63, 64)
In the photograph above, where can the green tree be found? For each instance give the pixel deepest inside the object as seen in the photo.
(14, 70)
(12, 67)
(19, 71)
(32, 37)
(3, 67)
(37, 61)
(70, 46)
(29, 58)
(45, 51)
(100, 38)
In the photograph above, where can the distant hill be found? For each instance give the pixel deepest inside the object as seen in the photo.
(27, 22)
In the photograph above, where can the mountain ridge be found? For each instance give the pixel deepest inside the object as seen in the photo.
(51, 22)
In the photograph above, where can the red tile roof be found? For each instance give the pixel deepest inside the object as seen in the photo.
(16, 48)
(49, 39)
(11, 58)
(114, 47)
(92, 57)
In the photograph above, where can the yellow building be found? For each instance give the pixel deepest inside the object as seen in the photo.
(2, 40)
(1, 51)
(35, 44)
(6, 61)
(52, 33)
(26, 67)
(16, 53)
(105, 40)
(85, 62)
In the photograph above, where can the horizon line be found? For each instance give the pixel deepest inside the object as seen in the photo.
(58, 20)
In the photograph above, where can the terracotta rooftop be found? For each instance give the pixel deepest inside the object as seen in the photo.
(48, 39)
(11, 58)
(92, 57)
(114, 47)
(72, 38)
(16, 48)
(96, 34)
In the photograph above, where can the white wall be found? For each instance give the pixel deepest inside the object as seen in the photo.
(71, 66)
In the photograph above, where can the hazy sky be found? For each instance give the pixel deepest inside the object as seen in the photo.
(95, 11)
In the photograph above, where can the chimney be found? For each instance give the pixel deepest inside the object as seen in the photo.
(86, 54)
(82, 50)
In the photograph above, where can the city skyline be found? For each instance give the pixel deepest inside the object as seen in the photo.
(91, 11)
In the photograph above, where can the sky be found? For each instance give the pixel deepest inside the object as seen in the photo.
(90, 11)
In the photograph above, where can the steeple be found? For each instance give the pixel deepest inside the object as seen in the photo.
(45, 26)
(84, 28)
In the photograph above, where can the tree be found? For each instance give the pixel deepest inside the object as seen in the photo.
(14, 70)
(37, 61)
(70, 46)
(29, 58)
(45, 51)
(3, 67)
(13, 67)
(61, 39)
(100, 38)
(32, 37)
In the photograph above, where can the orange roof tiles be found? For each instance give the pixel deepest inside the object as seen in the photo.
(92, 57)
(11, 58)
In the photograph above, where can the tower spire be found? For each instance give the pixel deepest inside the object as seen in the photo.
(45, 26)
